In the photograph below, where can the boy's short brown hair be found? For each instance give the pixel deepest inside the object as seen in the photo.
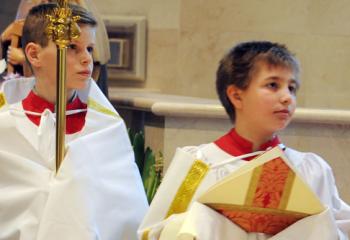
(36, 22)
(238, 66)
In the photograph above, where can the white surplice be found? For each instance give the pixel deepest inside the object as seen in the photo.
(97, 193)
(332, 224)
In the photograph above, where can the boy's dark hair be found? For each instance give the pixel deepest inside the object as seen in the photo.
(36, 22)
(240, 63)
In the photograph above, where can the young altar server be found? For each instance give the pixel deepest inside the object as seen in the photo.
(97, 192)
(15, 54)
(257, 84)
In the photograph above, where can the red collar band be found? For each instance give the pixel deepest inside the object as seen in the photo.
(236, 145)
(74, 122)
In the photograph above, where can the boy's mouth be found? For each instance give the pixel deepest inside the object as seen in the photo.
(85, 73)
(284, 113)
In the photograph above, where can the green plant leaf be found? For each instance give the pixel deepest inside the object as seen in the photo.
(151, 180)
(149, 172)
(155, 186)
(148, 163)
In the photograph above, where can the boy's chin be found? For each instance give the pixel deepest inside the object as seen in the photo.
(79, 85)
(282, 127)
(277, 127)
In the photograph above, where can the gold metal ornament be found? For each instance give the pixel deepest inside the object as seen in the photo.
(62, 29)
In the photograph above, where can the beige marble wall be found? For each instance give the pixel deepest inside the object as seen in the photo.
(186, 38)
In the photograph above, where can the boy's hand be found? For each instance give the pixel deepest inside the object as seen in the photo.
(15, 55)
(14, 28)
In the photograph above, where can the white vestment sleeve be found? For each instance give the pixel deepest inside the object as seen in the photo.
(318, 174)
(84, 201)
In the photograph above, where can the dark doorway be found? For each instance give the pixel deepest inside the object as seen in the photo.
(8, 11)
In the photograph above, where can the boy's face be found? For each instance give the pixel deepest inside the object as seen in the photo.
(267, 105)
(79, 60)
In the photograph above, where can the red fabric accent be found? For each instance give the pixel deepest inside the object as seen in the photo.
(272, 184)
(74, 122)
(269, 223)
(234, 144)
(269, 191)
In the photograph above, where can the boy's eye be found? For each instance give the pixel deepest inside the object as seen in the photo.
(72, 46)
(90, 49)
(293, 89)
(272, 85)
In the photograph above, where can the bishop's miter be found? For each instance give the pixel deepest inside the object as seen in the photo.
(265, 195)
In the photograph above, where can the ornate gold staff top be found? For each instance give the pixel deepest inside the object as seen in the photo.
(62, 28)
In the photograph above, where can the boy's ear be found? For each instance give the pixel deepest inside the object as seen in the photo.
(234, 95)
(32, 51)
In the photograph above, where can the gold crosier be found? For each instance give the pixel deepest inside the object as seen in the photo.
(62, 28)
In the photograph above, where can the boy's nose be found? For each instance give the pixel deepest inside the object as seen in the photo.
(86, 57)
(286, 97)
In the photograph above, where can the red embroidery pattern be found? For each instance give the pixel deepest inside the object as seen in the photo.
(268, 223)
(271, 184)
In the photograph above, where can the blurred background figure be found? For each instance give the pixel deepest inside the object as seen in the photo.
(11, 45)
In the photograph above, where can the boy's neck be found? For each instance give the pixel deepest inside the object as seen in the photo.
(50, 96)
(256, 138)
